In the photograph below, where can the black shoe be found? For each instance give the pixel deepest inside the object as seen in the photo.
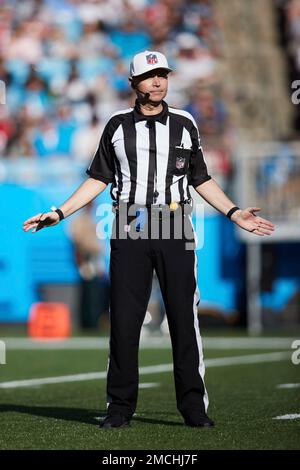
(201, 421)
(116, 420)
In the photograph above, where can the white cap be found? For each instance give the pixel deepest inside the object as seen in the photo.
(147, 61)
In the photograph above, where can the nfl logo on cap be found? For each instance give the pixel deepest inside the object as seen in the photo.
(151, 59)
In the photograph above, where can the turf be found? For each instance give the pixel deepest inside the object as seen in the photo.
(243, 401)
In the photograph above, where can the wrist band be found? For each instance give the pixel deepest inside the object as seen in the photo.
(59, 212)
(231, 211)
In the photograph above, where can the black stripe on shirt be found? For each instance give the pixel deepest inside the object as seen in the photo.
(175, 134)
(152, 162)
(129, 131)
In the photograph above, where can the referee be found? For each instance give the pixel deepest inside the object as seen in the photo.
(150, 154)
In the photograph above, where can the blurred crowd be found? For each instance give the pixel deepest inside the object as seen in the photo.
(65, 65)
(289, 21)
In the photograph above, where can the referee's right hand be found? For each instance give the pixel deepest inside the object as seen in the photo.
(39, 221)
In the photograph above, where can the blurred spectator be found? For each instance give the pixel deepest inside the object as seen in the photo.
(85, 141)
(110, 12)
(75, 89)
(289, 24)
(54, 137)
(88, 256)
(293, 25)
(130, 38)
(6, 130)
(25, 43)
(193, 61)
(209, 111)
(211, 114)
(5, 75)
(35, 97)
(46, 138)
(58, 45)
(94, 40)
(22, 143)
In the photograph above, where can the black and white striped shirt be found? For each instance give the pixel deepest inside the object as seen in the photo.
(150, 159)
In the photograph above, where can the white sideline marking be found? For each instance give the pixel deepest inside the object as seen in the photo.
(249, 359)
(149, 385)
(216, 362)
(141, 385)
(53, 380)
(292, 416)
(288, 386)
(161, 342)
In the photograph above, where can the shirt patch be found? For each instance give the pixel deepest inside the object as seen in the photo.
(180, 161)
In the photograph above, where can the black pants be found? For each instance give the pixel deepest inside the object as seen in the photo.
(131, 270)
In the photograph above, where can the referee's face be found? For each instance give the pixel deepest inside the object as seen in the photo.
(155, 83)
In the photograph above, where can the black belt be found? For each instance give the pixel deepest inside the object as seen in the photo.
(145, 214)
(153, 208)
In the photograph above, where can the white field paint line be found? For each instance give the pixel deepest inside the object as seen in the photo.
(141, 385)
(161, 342)
(79, 377)
(247, 359)
(216, 362)
(288, 386)
(149, 385)
(54, 380)
(291, 416)
(248, 343)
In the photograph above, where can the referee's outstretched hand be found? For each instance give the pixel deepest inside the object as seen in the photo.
(248, 220)
(39, 221)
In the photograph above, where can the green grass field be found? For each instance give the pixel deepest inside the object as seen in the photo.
(244, 399)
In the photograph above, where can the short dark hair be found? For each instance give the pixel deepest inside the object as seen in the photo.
(136, 80)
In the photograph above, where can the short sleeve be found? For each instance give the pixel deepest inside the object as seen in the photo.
(198, 173)
(102, 166)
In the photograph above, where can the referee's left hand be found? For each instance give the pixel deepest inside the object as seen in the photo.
(247, 220)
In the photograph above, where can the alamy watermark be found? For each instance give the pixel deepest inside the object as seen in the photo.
(296, 95)
(2, 353)
(157, 222)
(296, 354)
